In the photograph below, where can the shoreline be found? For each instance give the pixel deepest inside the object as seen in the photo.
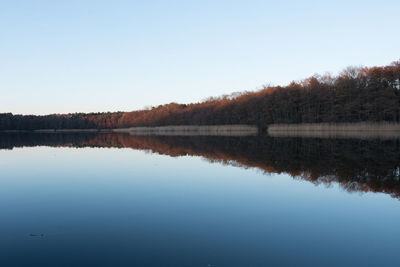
(176, 130)
(336, 130)
(193, 130)
(59, 131)
(310, 130)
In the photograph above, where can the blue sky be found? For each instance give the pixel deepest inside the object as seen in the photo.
(84, 56)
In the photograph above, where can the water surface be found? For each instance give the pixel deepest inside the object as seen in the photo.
(121, 200)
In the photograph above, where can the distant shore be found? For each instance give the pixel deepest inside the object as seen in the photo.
(223, 130)
(59, 131)
(178, 130)
(336, 130)
(318, 130)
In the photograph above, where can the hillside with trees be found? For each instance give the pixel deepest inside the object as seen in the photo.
(357, 94)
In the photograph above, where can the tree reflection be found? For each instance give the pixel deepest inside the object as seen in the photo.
(356, 164)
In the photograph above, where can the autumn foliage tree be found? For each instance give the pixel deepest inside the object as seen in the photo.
(356, 94)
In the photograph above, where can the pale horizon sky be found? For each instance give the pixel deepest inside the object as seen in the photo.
(98, 56)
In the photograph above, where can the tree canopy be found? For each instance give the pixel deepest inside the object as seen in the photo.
(356, 94)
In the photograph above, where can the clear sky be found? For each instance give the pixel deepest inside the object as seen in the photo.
(83, 56)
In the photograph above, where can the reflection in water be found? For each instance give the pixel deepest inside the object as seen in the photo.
(357, 165)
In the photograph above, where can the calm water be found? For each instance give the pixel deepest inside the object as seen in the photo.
(120, 200)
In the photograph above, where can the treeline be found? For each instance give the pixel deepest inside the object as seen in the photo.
(108, 120)
(356, 94)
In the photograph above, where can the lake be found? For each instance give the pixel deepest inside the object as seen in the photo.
(69, 199)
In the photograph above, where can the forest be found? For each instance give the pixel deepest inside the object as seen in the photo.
(357, 94)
